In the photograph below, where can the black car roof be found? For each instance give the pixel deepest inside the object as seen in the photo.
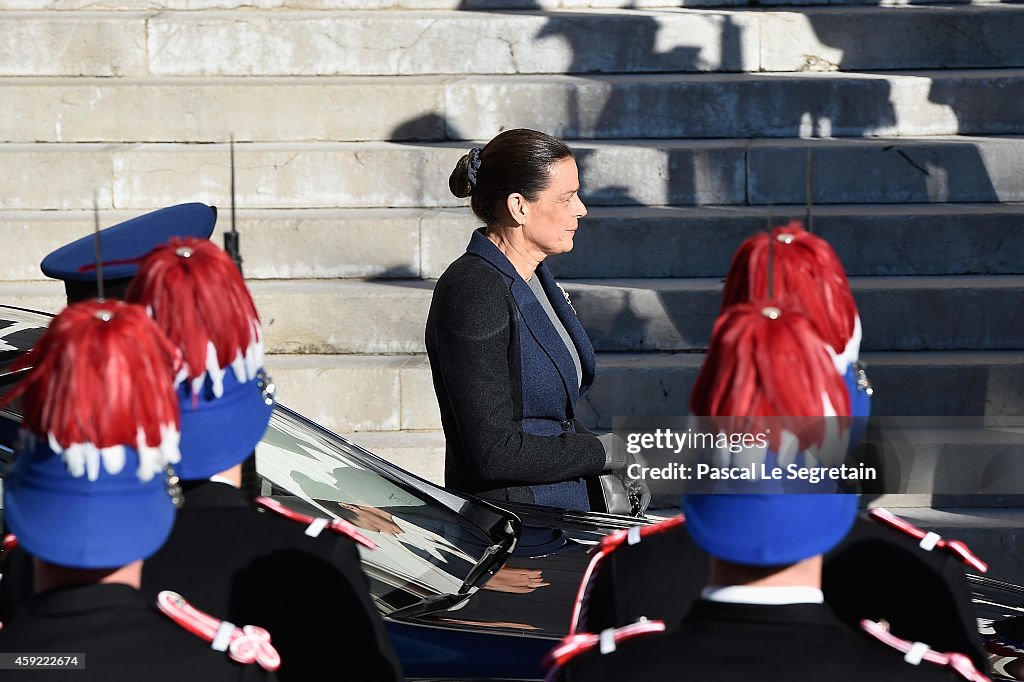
(19, 331)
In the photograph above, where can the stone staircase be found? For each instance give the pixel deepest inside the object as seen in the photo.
(693, 126)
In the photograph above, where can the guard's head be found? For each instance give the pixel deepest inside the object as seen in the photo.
(88, 486)
(808, 272)
(121, 248)
(198, 298)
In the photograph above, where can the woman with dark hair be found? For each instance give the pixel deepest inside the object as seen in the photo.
(508, 356)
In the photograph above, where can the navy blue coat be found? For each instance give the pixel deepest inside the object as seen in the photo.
(506, 384)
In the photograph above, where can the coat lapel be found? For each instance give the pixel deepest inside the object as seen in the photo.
(572, 325)
(536, 320)
(544, 332)
(480, 245)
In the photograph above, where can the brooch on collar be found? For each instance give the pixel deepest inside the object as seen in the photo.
(567, 299)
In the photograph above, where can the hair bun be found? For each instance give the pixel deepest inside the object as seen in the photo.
(458, 181)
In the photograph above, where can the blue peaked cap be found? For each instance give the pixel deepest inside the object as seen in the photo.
(125, 241)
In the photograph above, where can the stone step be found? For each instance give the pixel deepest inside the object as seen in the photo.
(623, 172)
(419, 452)
(578, 40)
(922, 170)
(390, 393)
(304, 109)
(940, 239)
(972, 102)
(921, 239)
(898, 313)
(275, 244)
(212, 109)
(347, 393)
(388, 316)
(304, 316)
(466, 5)
(949, 465)
(911, 383)
(45, 296)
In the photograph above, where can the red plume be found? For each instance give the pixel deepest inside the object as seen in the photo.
(807, 272)
(769, 366)
(102, 376)
(197, 296)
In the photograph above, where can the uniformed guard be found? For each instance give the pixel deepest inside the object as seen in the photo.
(762, 614)
(884, 568)
(89, 499)
(806, 270)
(260, 567)
(881, 569)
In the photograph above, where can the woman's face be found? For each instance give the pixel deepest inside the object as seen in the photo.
(552, 220)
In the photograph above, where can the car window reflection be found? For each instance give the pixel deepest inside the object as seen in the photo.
(423, 547)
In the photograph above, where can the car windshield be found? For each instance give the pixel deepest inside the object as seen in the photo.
(425, 547)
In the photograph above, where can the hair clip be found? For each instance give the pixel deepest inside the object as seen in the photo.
(474, 165)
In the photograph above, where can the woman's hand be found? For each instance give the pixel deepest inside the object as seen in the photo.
(617, 462)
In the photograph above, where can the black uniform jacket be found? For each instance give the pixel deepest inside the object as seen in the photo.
(506, 384)
(255, 568)
(876, 573)
(743, 642)
(122, 636)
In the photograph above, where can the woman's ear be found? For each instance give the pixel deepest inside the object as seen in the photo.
(517, 208)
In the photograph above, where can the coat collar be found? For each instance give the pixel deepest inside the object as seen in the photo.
(818, 615)
(537, 320)
(480, 245)
(86, 598)
(208, 494)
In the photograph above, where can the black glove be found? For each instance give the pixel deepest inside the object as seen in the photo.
(617, 463)
(615, 455)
